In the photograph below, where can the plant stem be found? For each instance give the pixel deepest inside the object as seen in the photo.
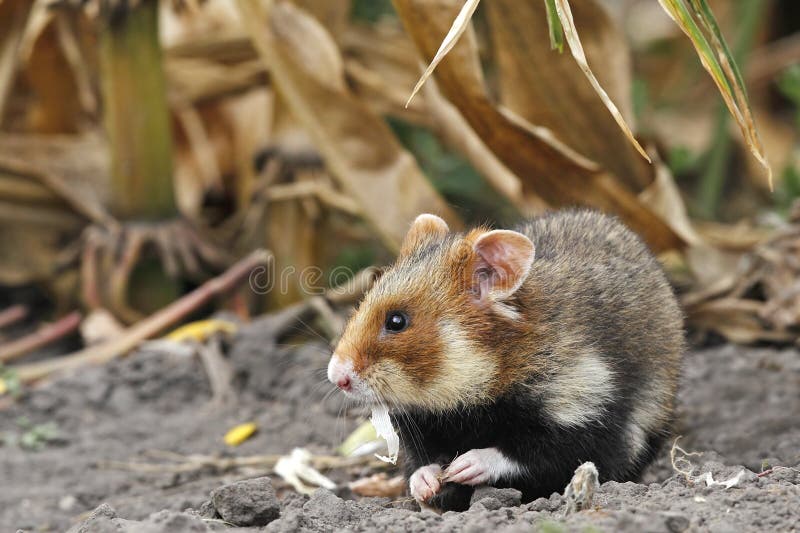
(41, 337)
(136, 114)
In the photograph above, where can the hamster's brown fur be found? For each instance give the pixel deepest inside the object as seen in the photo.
(584, 352)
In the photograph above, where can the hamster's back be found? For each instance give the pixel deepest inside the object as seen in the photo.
(616, 327)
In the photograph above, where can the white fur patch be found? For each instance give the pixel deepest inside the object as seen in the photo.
(482, 465)
(358, 388)
(464, 377)
(577, 394)
(467, 370)
(636, 437)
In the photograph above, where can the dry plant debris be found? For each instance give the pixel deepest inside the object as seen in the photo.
(149, 326)
(296, 469)
(580, 491)
(379, 485)
(759, 300)
(683, 466)
(170, 462)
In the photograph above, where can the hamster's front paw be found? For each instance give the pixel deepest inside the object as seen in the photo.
(480, 466)
(424, 482)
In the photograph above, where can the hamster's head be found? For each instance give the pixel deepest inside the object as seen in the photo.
(426, 334)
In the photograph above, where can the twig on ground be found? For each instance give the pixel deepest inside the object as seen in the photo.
(196, 462)
(150, 326)
(773, 469)
(41, 337)
(12, 315)
(219, 372)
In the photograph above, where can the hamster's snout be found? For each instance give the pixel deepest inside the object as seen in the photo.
(341, 373)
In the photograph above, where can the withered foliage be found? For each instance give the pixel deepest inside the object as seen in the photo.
(277, 116)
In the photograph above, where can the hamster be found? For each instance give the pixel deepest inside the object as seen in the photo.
(510, 357)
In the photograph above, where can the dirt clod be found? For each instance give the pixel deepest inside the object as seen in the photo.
(503, 497)
(251, 502)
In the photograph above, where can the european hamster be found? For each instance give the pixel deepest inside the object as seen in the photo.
(509, 358)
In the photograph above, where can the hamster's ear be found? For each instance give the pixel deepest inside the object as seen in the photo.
(504, 259)
(426, 229)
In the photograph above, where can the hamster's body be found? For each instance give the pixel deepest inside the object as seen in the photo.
(522, 354)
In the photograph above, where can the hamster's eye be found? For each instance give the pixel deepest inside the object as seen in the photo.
(396, 321)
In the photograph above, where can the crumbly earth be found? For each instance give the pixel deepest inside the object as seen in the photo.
(739, 406)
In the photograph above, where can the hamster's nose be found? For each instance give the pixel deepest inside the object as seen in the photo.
(340, 373)
(344, 383)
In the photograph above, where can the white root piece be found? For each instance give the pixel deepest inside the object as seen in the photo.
(383, 426)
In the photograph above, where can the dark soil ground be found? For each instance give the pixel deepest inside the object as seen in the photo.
(740, 406)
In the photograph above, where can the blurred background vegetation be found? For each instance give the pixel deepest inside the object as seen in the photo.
(147, 145)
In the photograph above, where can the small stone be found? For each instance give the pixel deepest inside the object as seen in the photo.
(327, 507)
(505, 497)
(555, 502)
(488, 504)
(101, 520)
(251, 502)
(171, 521)
(207, 510)
(676, 523)
(539, 505)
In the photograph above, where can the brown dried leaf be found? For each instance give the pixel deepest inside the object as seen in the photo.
(13, 19)
(575, 46)
(545, 167)
(549, 89)
(460, 25)
(357, 146)
(759, 300)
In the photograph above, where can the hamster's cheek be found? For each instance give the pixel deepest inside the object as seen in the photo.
(391, 381)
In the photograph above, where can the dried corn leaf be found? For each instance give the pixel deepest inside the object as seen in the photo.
(575, 46)
(357, 146)
(333, 14)
(550, 89)
(525, 29)
(46, 205)
(664, 198)
(13, 19)
(760, 301)
(545, 167)
(698, 23)
(460, 25)
(381, 63)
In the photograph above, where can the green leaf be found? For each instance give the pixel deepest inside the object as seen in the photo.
(554, 25)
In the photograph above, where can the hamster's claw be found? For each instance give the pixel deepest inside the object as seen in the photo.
(424, 483)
